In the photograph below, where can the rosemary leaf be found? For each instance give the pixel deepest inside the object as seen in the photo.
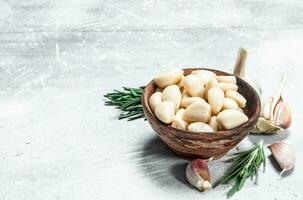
(245, 165)
(128, 101)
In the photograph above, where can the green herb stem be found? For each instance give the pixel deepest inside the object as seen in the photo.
(128, 101)
(245, 164)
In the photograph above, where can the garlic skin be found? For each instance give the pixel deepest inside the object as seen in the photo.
(274, 118)
(282, 114)
(284, 155)
(197, 174)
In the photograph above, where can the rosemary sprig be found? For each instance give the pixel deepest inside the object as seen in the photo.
(245, 164)
(128, 101)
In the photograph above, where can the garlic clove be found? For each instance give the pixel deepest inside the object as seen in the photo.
(282, 114)
(231, 118)
(167, 78)
(189, 100)
(237, 97)
(180, 83)
(204, 75)
(165, 111)
(227, 79)
(193, 85)
(228, 86)
(216, 99)
(274, 117)
(197, 174)
(230, 104)
(211, 83)
(172, 93)
(154, 100)
(213, 123)
(284, 155)
(178, 121)
(199, 127)
(197, 112)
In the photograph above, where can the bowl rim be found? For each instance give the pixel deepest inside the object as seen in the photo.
(215, 135)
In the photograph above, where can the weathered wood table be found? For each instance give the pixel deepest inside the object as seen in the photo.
(59, 141)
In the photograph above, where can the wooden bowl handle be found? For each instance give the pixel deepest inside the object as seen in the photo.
(239, 69)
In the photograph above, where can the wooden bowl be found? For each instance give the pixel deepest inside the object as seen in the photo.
(204, 145)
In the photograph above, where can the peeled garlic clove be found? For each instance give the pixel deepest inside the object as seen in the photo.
(154, 100)
(178, 121)
(284, 155)
(197, 112)
(193, 85)
(205, 75)
(228, 86)
(266, 108)
(237, 97)
(189, 100)
(197, 174)
(230, 104)
(211, 83)
(220, 126)
(165, 111)
(167, 78)
(185, 96)
(231, 118)
(216, 99)
(199, 127)
(227, 79)
(213, 123)
(282, 114)
(172, 93)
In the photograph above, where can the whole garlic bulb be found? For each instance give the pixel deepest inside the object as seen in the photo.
(275, 114)
(197, 174)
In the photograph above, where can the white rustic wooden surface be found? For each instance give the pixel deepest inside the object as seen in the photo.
(57, 59)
